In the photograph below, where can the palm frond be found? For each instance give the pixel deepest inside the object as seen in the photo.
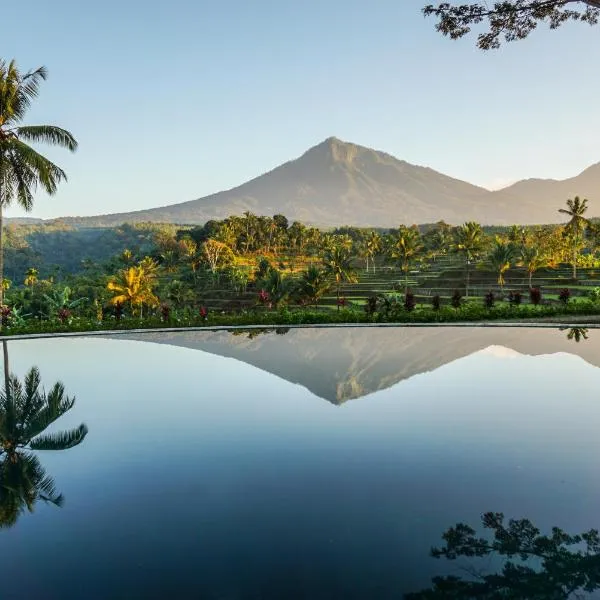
(47, 134)
(62, 440)
(46, 172)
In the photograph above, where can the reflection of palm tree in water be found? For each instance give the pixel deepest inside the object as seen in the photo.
(550, 567)
(25, 413)
(577, 333)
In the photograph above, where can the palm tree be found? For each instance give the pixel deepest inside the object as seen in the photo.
(22, 167)
(312, 285)
(469, 241)
(406, 248)
(576, 208)
(134, 287)
(338, 265)
(372, 247)
(25, 412)
(31, 277)
(532, 259)
(500, 258)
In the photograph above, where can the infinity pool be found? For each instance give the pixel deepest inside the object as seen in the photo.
(309, 463)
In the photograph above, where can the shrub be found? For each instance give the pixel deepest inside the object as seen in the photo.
(118, 310)
(594, 294)
(371, 305)
(489, 300)
(535, 296)
(456, 299)
(5, 312)
(64, 314)
(342, 302)
(165, 312)
(436, 302)
(564, 296)
(409, 301)
(515, 298)
(203, 312)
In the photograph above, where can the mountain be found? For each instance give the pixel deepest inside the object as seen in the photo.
(548, 194)
(340, 183)
(343, 363)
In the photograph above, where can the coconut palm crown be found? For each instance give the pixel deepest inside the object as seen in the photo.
(23, 169)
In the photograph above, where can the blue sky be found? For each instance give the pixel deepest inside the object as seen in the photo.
(174, 101)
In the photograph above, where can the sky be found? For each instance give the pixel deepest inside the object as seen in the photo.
(174, 101)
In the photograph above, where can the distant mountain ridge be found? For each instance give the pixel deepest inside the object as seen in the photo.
(340, 183)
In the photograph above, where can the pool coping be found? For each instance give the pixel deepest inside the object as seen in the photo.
(213, 328)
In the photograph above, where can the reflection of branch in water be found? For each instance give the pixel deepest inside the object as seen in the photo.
(577, 333)
(25, 413)
(566, 564)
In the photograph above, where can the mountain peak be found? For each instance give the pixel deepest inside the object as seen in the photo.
(335, 150)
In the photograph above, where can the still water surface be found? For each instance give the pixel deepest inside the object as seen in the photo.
(307, 464)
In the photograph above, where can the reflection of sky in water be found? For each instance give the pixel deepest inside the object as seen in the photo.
(201, 473)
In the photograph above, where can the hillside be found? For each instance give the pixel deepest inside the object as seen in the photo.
(337, 183)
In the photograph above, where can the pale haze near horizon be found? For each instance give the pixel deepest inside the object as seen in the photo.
(172, 102)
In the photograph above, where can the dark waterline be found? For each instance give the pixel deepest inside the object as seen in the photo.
(207, 477)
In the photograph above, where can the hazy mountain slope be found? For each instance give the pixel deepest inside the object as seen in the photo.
(339, 364)
(547, 195)
(337, 183)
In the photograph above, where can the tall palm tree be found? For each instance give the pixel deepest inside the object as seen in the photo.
(406, 247)
(337, 262)
(500, 259)
(22, 168)
(25, 412)
(31, 277)
(576, 208)
(372, 248)
(469, 241)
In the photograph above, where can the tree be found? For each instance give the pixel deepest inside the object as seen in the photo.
(372, 247)
(532, 259)
(500, 259)
(134, 286)
(576, 208)
(338, 264)
(217, 254)
(22, 168)
(468, 241)
(556, 566)
(313, 284)
(509, 19)
(31, 277)
(406, 247)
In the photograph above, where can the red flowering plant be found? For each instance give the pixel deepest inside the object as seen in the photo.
(203, 313)
(264, 298)
(64, 314)
(165, 312)
(342, 302)
(5, 312)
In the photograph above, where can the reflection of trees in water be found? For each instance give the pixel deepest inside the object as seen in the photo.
(26, 411)
(577, 333)
(535, 566)
(252, 333)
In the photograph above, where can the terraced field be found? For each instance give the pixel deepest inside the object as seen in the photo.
(441, 277)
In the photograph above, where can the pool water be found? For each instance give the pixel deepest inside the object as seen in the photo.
(309, 463)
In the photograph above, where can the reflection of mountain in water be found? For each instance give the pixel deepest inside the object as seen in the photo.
(339, 364)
